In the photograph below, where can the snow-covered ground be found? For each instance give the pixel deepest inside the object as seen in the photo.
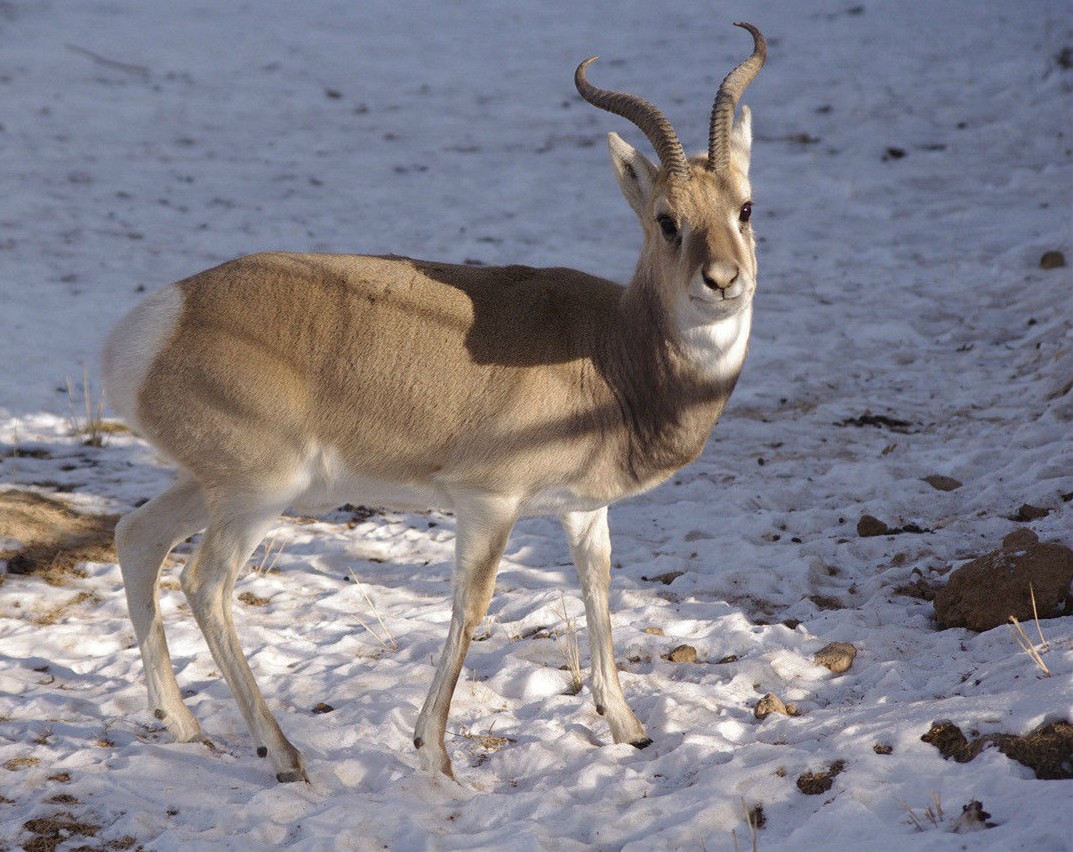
(912, 164)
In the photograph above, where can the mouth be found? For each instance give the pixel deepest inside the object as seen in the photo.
(731, 294)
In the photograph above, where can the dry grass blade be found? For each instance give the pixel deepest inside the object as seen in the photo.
(93, 425)
(912, 815)
(568, 647)
(272, 550)
(384, 637)
(1027, 646)
(1035, 617)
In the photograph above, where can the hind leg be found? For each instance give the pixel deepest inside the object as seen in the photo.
(208, 582)
(144, 538)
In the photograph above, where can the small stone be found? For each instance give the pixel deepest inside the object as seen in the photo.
(323, 708)
(771, 703)
(1052, 260)
(869, 526)
(654, 631)
(1028, 512)
(836, 656)
(683, 654)
(942, 483)
(666, 579)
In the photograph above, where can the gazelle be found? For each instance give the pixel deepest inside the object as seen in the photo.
(310, 380)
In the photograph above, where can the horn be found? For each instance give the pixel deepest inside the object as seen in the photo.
(726, 101)
(645, 115)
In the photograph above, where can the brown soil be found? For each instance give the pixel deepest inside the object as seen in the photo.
(817, 783)
(1047, 751)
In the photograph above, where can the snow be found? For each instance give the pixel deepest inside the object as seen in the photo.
(142, 142)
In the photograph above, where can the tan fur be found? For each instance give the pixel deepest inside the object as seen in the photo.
(313, 380)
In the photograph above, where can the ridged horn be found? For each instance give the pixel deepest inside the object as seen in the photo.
(656, 128)
(726, 101)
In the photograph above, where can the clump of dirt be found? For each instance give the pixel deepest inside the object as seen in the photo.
(987, 591)
(817, 783)
(53, 536)
(1047, 751)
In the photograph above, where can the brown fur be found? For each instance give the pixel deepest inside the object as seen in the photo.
(512, 378)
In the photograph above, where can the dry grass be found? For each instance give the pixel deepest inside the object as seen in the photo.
(271, 550)
(1025, 643)
(932, 814)
(53, 536)
(568, 647)
(383, 636)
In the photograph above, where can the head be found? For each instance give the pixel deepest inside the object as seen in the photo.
(695, 212)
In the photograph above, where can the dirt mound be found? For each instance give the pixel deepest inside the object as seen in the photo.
(987, 591)
(1047, 751)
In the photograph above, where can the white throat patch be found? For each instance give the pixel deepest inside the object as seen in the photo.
(717, 349)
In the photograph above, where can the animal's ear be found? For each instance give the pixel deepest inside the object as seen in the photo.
(741, 140)
(636, 174)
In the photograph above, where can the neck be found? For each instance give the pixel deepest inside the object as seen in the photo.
(671, 380)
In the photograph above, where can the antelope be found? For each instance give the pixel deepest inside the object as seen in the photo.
(308, 380)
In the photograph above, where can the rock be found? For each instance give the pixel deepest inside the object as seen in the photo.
(973, 818)
(654, 631)
(683, 654)
(769, 704)
(322, 708)
(1028, 512)
(868, 526)
(1052, 260)
(666, 579)
(942, 483)
(987, 591)
(837, 656)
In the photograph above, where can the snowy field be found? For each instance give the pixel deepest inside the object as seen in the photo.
(912, 164)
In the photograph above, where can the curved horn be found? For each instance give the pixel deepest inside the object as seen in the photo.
(645, 115)
(726, 100)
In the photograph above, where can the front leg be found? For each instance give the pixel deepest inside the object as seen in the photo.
(590, 545)
(483, 527)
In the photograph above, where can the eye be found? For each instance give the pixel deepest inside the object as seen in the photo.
(668, 226)
(746, 211)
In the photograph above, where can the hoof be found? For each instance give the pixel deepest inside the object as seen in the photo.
(291, 775)
(645, 743)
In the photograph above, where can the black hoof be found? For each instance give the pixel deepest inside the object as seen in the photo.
(262, 751)
(645, 743)
(291, 776)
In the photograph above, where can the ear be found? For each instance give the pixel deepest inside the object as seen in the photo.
(636, 175)
(741, 140)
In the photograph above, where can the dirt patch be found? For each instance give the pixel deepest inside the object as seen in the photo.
(984, 593)
(817, 783)
(53, 537)
(49, 832)
(1047, 751)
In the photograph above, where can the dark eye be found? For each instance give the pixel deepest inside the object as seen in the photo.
(668, 226)
(746, 211)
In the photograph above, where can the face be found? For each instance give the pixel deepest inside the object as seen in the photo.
(700, 234)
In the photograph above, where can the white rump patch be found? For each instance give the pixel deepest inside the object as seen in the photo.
(133, 345)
